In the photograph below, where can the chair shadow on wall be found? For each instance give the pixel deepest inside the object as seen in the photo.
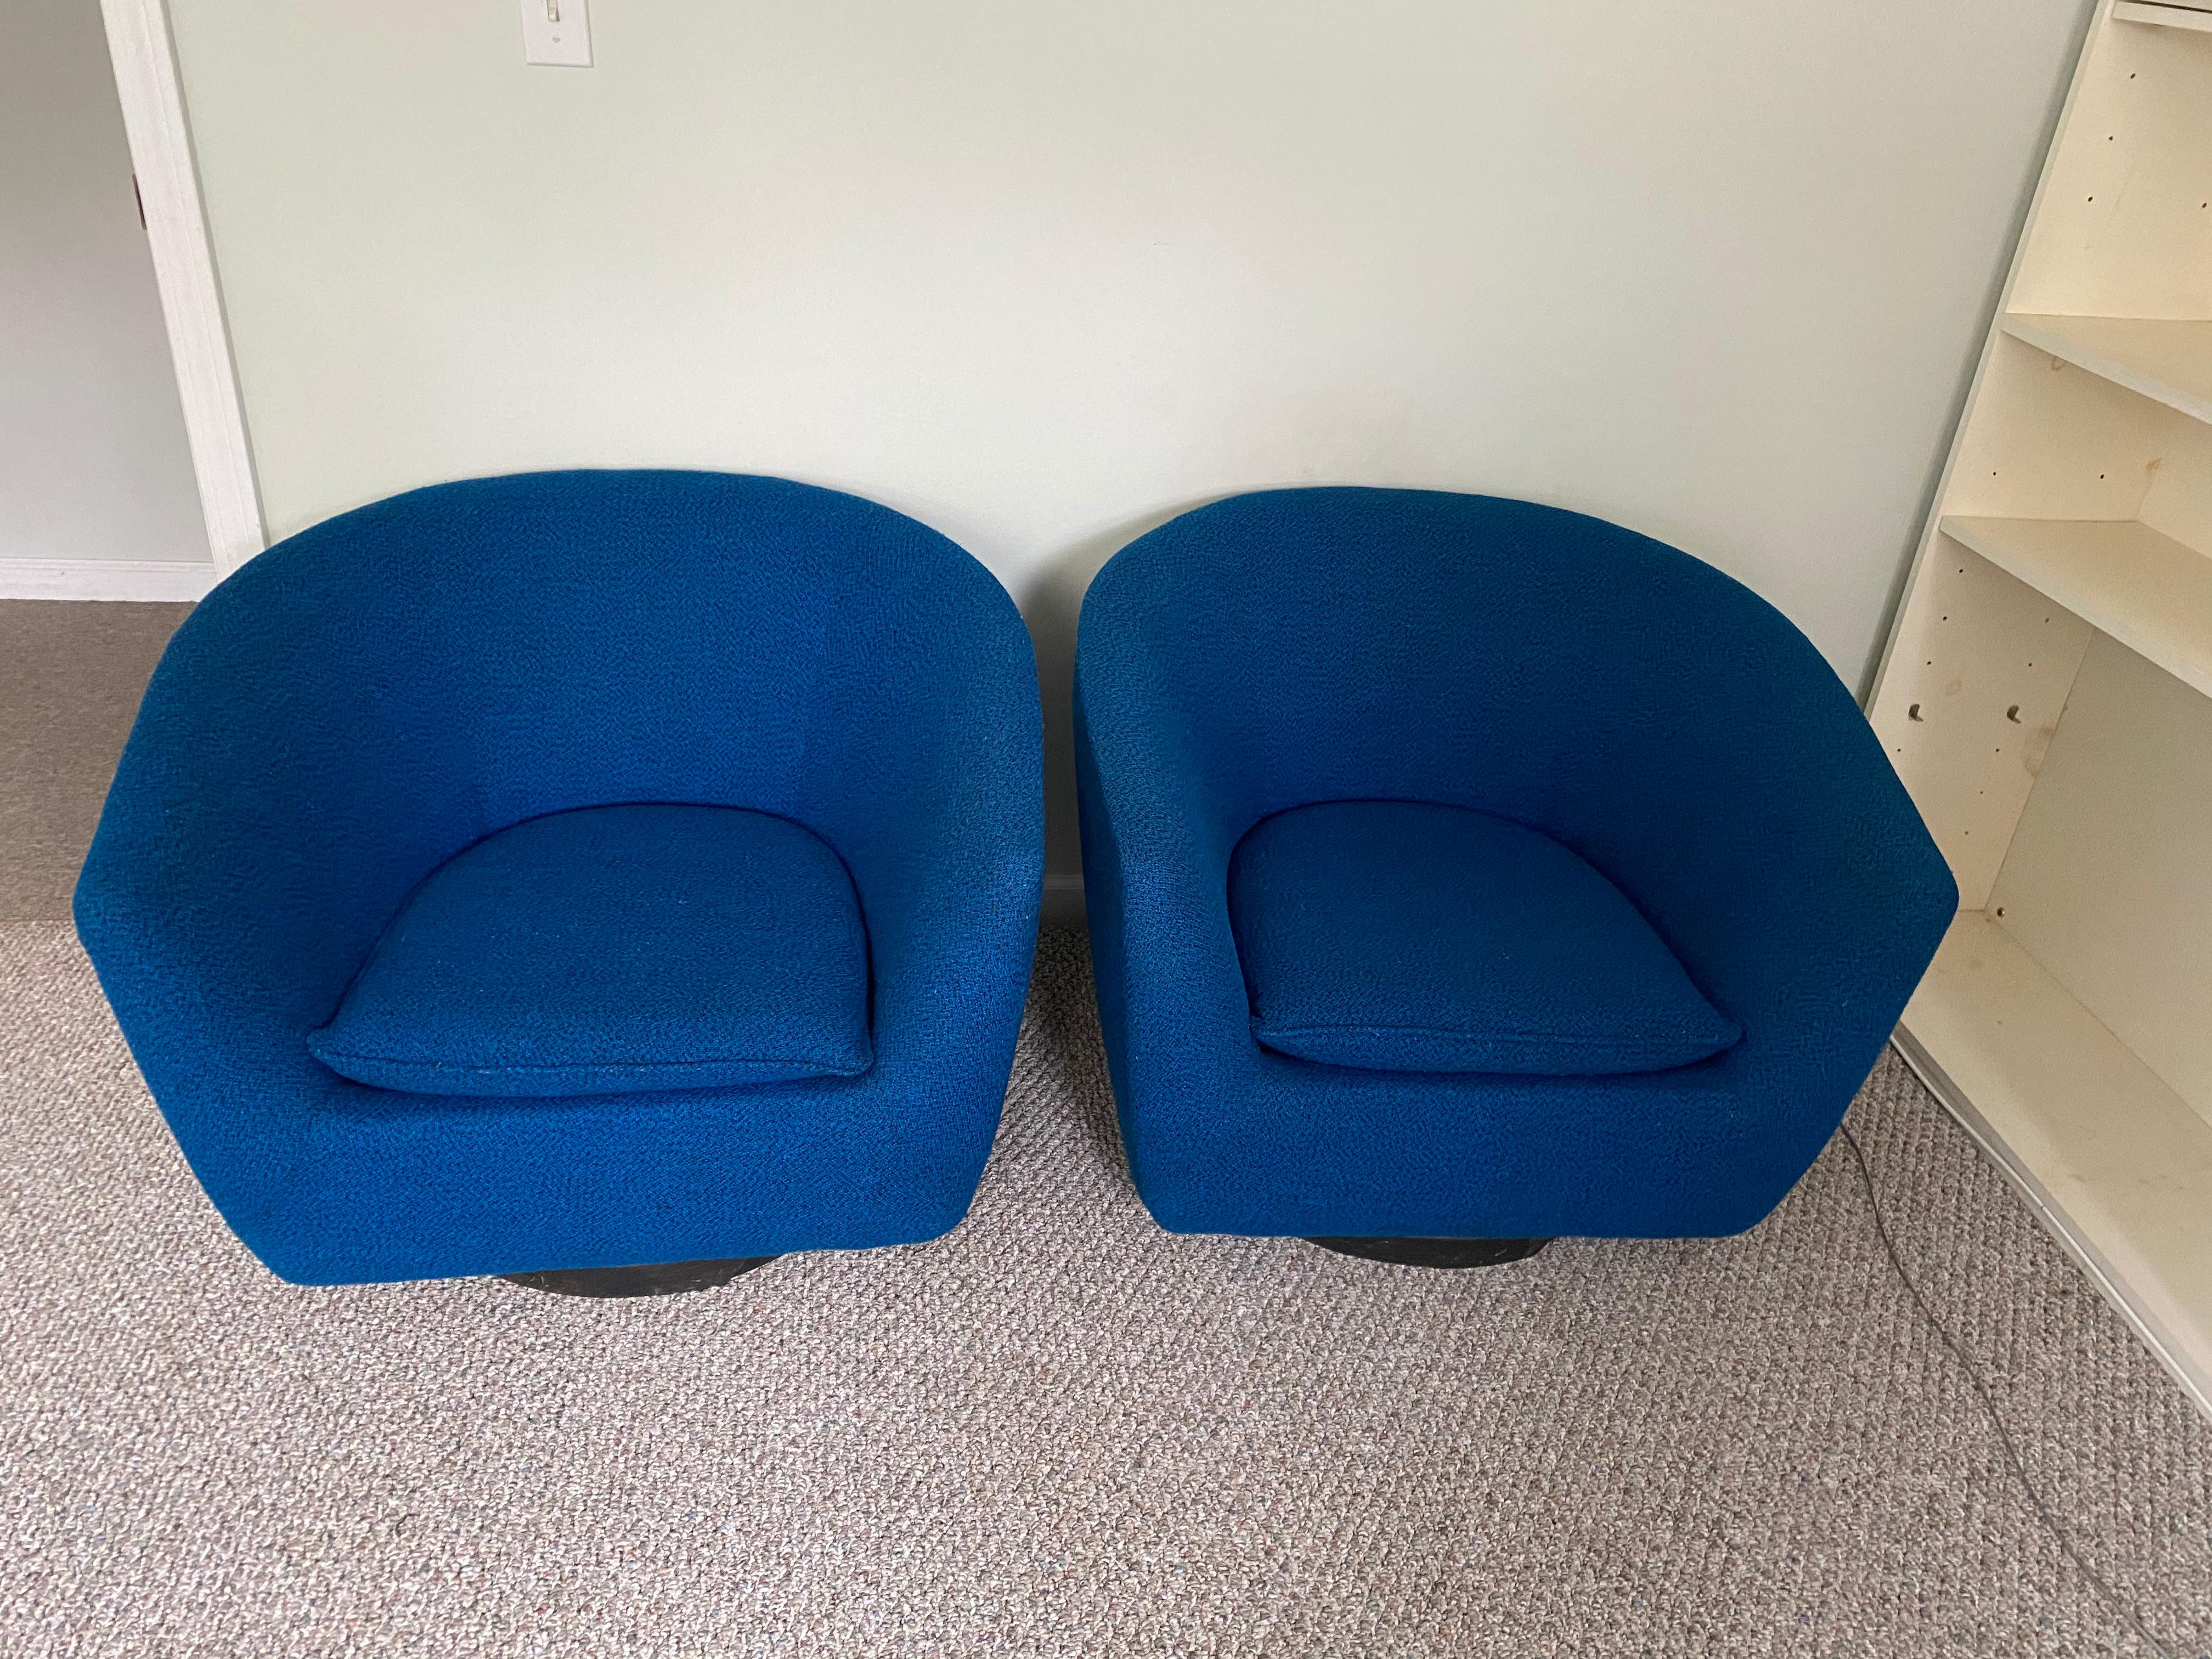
(1053, 603)
(1066, 1016)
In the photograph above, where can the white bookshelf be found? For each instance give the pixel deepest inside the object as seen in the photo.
(2177, 16)
(2146, 590)
(2046, 695)
(2162, 358)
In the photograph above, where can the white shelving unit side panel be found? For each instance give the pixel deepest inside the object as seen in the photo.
(2047, 439)
(2125, 223)
(1980, 663)
(2108, 882)
(1897, 652)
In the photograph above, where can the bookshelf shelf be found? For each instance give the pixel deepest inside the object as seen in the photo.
(2146, 590)
(2173, 17)
(2168, 361)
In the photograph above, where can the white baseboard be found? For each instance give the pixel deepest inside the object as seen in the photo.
(147, 580)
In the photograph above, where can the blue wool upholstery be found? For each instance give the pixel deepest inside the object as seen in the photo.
(615, 950)
(1399, 936)
(1641, 710)
(377, 694)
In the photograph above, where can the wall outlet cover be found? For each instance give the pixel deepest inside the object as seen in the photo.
(557, 33)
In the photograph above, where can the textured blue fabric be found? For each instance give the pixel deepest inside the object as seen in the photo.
(1640, 707)
(1400, 936)
(615, 950)
(364, 701)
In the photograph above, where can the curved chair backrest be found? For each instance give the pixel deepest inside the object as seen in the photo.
(368, 697)
(515, 646)
(1323, 644)
(470, 655)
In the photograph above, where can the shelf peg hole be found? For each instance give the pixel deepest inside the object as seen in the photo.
(2013, 714)
(1913, 712)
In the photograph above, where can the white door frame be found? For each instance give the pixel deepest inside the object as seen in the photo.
(145, 59)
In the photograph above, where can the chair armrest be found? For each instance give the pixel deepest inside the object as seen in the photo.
(1776, 850)
(253, 847)
(938, 814)
(1158, 830)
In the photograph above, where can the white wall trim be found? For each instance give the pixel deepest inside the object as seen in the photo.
(148, 580)
(183, 267)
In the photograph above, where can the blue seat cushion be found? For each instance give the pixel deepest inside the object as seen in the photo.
(615, 950)
(1399, 936)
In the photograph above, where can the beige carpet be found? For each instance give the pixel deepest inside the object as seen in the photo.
(1060, 1431)
(70, 676)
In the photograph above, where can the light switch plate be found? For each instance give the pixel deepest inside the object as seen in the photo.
(557, 32)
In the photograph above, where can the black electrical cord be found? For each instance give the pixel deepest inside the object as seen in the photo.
(2105, 1593)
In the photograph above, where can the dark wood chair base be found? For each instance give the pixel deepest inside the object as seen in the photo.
(1435, 1252)
(655, 1279)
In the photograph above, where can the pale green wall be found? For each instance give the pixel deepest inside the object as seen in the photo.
(1040, 272)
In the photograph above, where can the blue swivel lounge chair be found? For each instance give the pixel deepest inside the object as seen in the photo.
(1463, 872)
(581, 871)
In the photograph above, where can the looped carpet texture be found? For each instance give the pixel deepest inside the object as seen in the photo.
(1060, 1431)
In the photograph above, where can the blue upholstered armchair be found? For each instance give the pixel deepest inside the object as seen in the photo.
(1464, 869)
(578, 871)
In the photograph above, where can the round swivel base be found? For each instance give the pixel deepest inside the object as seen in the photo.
(1435, 1252)
(656, 1278)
